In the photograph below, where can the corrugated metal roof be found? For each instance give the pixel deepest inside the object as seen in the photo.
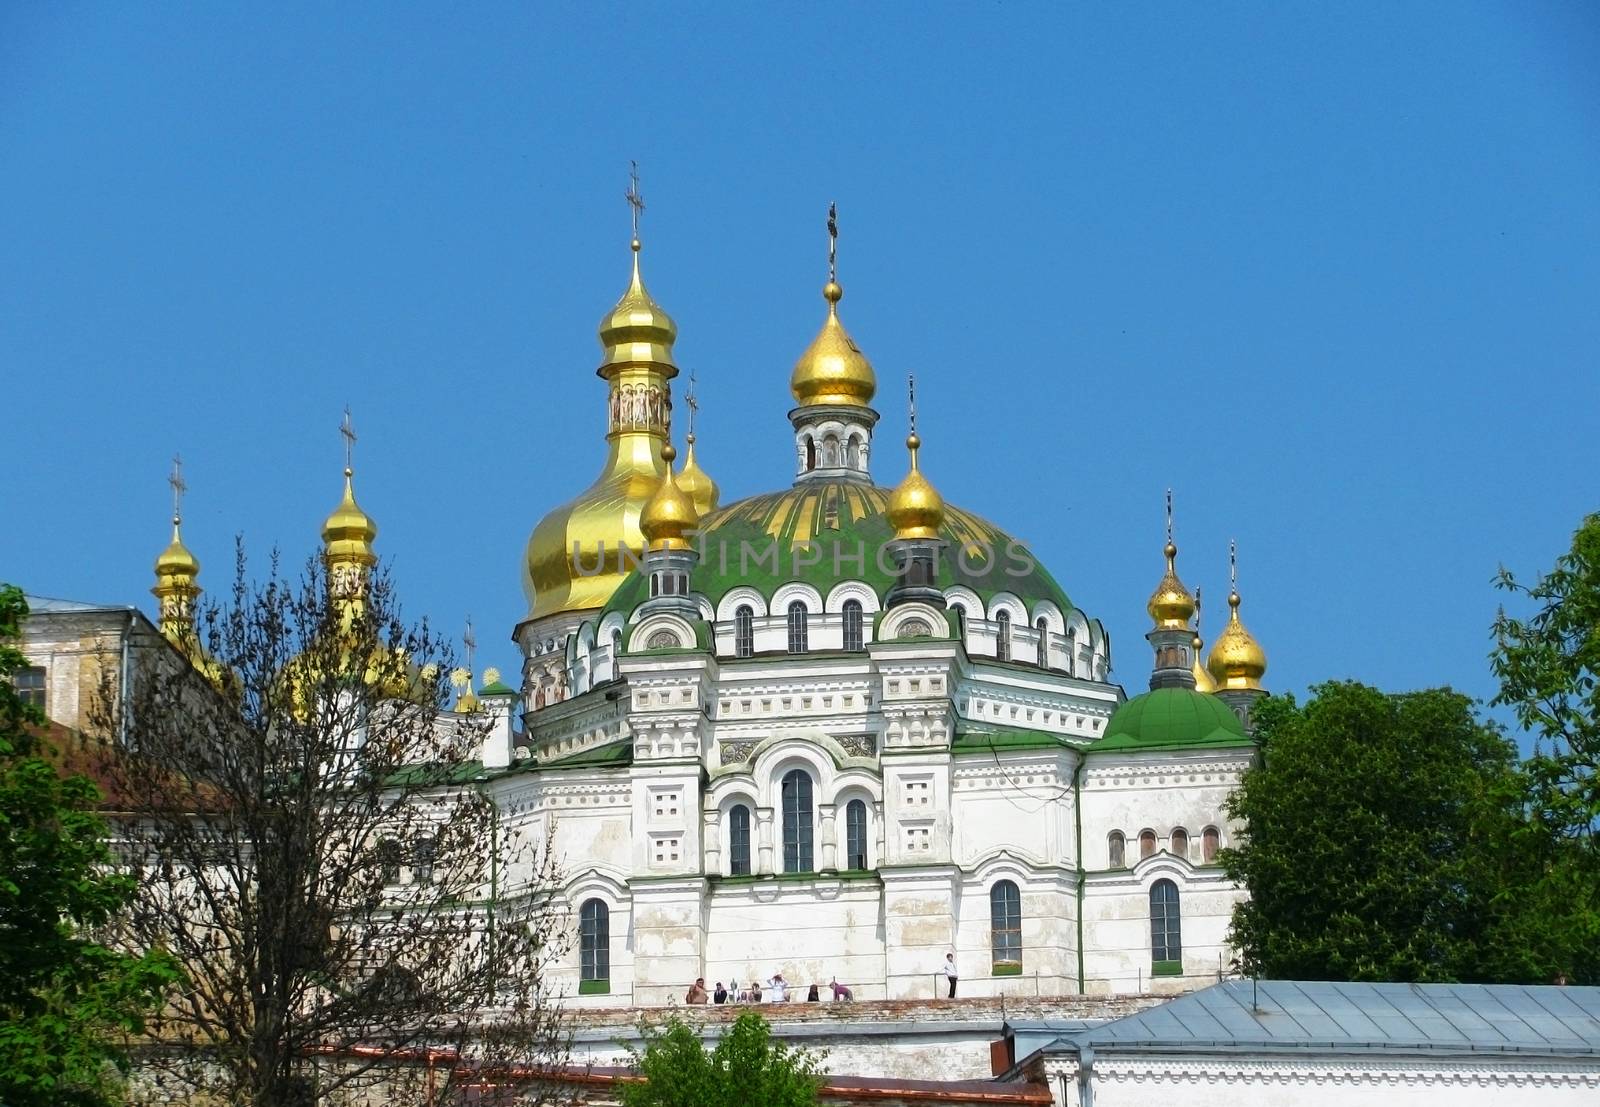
(43, 604)
(1347, 1016)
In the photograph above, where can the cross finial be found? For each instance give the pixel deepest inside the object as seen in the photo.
(470, 640)
(635, 199)
(1197, 605)
(1169, 516)
(833, 243)
(1233, 564)
(911, 399)
(348, 430)
(692, 404)
(178, 489)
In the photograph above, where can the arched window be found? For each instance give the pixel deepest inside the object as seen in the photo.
(1002, 636)
(1210, 841)
(796, 821)
(744, 631)
(852, 453)
(1166, 929)
(1043, 627)
(855, 835)
(389, 860)
(1005, 925)
(422, 851)
(1147, 844)
(811, 454)
(616, 653)
(1180, 842)
(852, 625)
(797, 627)
(739, 840)
(594, 946)
(1072, 651)
(1117, 847)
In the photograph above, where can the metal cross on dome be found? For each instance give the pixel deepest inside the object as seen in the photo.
(635, 197)
(833, 243)
(911, 399)
(1169, 516)
(348, 431)
(470, 640)
(178, 488)
(691, 402)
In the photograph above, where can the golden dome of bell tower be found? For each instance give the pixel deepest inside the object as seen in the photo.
(177, 572)
(580, 552)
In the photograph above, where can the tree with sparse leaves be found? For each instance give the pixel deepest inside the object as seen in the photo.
(1381, 842)
(1549, 669)
(317, 845)
(67, 1001)
(745, 1067)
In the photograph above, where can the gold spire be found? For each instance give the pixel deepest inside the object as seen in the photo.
(348, 532)
(177, 569)
(580, 552)
(669, 513)
(1202, 679)
(916, 510)
(833, 370)
(466, 699)
(693, 479)
(1237, 661)
(1171, 605)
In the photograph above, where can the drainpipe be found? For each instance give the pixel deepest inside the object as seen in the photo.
(1077, 812)
(125, 692)
(494, 879)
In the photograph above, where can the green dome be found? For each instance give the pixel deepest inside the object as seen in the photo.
(1177, 718)
(848, 517)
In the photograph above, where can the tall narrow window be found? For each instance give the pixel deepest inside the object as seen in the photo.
(1002, 636)
(389, 860)
(744, 632)
(30, 685)
(1005, 925)
(797, 627)
(1180, 842)
(852, 625)
(811, 454)
(1210, 840)
(616, 652)
(1166, 929)
(1043, 627)
(1117, 846)
(594, 945)
(422, 851)
(1147, 844)
(1072, 651)
(855, 835)
(796, 822)
(739, 840)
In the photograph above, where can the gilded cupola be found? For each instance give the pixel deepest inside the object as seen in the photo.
(583, 550)
(1237, 661)
(691, 478)
(177, 571)
(1171, 605)
(669, 515)
(348, 532)
(1202, 677)
(916, 510)
(833, 371)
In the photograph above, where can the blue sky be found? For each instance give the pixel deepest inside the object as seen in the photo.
(1331, 273)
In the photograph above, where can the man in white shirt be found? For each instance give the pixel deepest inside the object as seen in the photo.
(777, 989)
(949, 970)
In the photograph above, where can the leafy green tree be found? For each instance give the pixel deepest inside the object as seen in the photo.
(1549, 670)
(66, 1000)
(745, 1067)
(1377, 843)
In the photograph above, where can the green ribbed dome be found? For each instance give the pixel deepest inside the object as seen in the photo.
(1172, 718)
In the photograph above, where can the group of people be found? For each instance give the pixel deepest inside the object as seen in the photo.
(774, 990)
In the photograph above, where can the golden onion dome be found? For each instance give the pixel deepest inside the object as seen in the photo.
(1202, 679)
(1171, 605)
(916, 510)
(833, 370)
(1237, 661)
(697, 482)
(638, 330)
(669, 514)
(349, 532)
(176, 567)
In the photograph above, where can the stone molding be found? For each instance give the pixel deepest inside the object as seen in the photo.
(1240, 1070)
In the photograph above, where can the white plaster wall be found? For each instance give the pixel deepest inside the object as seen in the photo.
(1116, 927)
(811, 931)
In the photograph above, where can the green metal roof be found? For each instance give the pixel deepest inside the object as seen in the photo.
(617, 755)
(1172, 718)
(988, 737)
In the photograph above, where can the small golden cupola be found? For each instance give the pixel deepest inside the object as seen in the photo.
(1202, 677)
(916, 510)
(347, 537)
(669, 514)
(177, 571)
(1171, 605)
(691, 478)
(833, 385)
(1237, 660)
(582, 551)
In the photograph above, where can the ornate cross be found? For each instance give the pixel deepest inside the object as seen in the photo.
(1233, 564)
(178, 489)
(911, 401)
(692, 403)
(635, 197)
(833, 242)
(348, 430)
(470, 640)
(1169, 516)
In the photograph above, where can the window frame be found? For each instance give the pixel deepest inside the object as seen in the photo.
(854, 620)
(32, 683)
(1042, 627)
(744, 631)
(1117, 849)
(739, 840)
(855, 835)
(797, 796)
(798, 618)
(1166, 928)
(1002, 636)
(424, 856)
(1005, 928)
(1210, 844)
(594, 947)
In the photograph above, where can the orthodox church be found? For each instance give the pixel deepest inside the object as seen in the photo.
(841, 729)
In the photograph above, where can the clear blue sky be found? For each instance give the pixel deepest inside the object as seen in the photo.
(1331, 272)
